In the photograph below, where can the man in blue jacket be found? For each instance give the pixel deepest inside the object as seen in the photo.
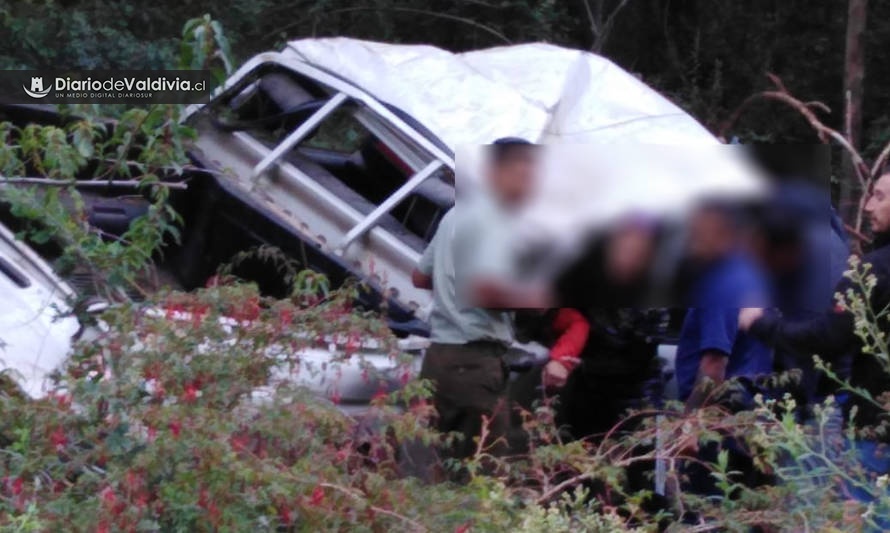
(711, 347)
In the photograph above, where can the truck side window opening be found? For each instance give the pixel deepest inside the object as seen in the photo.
(341, 152)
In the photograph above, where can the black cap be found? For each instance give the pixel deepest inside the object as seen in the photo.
(505, 147)
(508, 141)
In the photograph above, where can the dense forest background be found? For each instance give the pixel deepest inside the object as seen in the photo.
(707, 55)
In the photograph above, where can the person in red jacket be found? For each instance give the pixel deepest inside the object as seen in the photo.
(564, 332)
(570, 330)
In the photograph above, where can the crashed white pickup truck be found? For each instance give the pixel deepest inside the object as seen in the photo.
(341, 153)
(350, 144)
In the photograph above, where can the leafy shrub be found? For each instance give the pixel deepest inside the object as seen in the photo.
(185, 414)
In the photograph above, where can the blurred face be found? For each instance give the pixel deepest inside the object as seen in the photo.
(877, 208)
(629, 253)
(780, 254)
(711, 235)
(513, 179)
(783, 260)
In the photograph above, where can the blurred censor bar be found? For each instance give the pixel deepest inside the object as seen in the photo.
(640, 225)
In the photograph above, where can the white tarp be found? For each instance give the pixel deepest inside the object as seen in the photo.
(618, 145)
(538, 91)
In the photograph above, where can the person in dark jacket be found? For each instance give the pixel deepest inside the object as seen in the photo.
(833, 334)
(805, 254)
(619, 367)
(619, 370)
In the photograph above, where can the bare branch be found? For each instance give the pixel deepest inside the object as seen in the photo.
(824, 132)
(426, 12)
(91, 183)
(858, 234)
(358, 496)
(600, 28)
(594, 25)
(610, 20)
(864, 174)
(818, 105)
(556, 489)
(777, 81)
(878, 166)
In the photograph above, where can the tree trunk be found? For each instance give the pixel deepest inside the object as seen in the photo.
(854, 71)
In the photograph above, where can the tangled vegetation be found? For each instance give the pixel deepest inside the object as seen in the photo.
(180, 414)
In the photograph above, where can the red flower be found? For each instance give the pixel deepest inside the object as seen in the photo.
(203, 498)
(174, 311)
(209, 505)
(260, 449)
(17, 486)
(152, 371)
(252, 309)
(63, 401)
(198, 314)
(342, 455)
(464, 528)
(248, 312)
(59, 486)
(133, 481)
(286, 316)
(191, 393)
(351, 347)
(103, 527)
(214, 513)
(175, 428)
(109, 499)
(317, 496)
(58, 438)
(419, 406)
(142, 499)
(238, 442)
(284, 515)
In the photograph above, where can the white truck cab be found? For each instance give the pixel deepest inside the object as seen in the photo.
(36, 330)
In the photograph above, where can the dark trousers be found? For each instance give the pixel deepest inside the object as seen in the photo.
(470, 382)
(593, 404)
